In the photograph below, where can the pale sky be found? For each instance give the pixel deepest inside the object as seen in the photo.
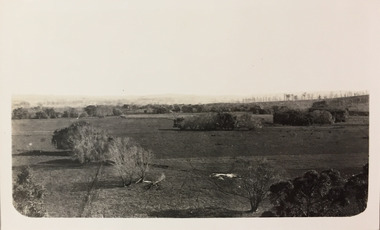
(208, 47)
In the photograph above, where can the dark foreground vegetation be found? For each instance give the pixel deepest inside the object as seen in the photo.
(320, 194)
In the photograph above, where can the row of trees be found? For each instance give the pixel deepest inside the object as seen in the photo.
(304, 96)
(320, 113)
(103, 111)
(218, 121)
(45, 113)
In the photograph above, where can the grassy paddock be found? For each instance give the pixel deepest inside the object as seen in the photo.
(186, 158)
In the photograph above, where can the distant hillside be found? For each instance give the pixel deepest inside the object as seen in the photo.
(354, 103)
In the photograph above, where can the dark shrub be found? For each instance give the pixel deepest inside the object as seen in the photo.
(358, 113)
(116, 112)
(292, 117)
(70, 113)
(28, 196)
(20, 113)
(268, 214)
(255, 109)
(225, 121)
(320, 104)
(178, 122)
(50, 112)
(160, 110)
(209, 121)
(41, 115)
(321, 194)
(339, 115)
(265, 111)
(64, 138)
(276, 108)
(91, 110)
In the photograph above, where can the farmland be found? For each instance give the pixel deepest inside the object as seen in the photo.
(187, 158)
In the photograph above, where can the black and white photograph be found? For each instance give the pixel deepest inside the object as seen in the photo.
(189, 114)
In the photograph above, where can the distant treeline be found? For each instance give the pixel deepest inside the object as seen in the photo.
(107, 110)
(39, 112)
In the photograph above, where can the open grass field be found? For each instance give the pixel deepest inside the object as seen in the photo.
(187, 158)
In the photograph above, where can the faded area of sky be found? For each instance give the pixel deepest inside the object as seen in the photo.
(212, 47)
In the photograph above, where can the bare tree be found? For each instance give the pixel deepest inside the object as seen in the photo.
(130, 160)
(252, 182)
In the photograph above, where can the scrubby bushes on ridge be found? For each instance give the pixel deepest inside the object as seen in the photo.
(304, 118)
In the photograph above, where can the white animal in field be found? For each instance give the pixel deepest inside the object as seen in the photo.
(221, 176)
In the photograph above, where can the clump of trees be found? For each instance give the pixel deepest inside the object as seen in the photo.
(292, 117)
(305, 118)
(27, 195)
(34, 113)
(320, 194)
(338, 113)
(20, 113)
(218, 121)
(89, 144)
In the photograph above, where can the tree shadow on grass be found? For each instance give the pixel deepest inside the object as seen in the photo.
(65, 163)
(197, 213)
(44, 153)
(111, 184)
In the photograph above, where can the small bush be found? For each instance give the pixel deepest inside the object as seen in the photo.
(28, 196)
(117, 112)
